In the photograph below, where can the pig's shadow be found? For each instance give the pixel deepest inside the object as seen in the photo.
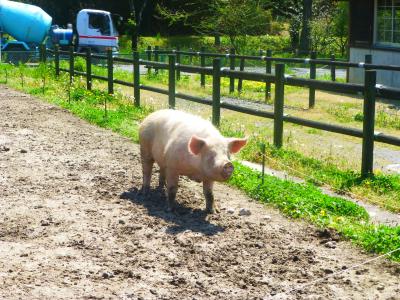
(183, 217)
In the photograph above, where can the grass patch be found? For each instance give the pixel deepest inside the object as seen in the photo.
(306, 201)
(380, 189)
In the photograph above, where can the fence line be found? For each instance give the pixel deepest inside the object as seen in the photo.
(369, 89)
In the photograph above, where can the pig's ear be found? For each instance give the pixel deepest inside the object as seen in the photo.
(196, 144)
(235, 144)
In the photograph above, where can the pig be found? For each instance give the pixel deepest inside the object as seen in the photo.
(184, 144)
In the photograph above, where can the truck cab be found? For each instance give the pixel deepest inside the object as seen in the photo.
(96, 30)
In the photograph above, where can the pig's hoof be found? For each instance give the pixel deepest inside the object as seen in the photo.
(171, 207)
(144, 191)
(212, 210)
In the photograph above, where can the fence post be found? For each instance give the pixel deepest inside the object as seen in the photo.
(89, 69)
(216, 97)
(156, 48)
(367, 163)
(368, 59)
(278, 104)
(71, 64)
(240, 81)
(232, 67)
(178, 61)
(268, 70)
(43, 53)
(171, 81)
(57, 59)
(202, 64)
(190, 56)
(313, 75)
(149, 59)
(333, 68)
(136, 78)
(110, 72)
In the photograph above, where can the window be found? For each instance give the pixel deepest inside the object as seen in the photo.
(388, 22)
(101, 22)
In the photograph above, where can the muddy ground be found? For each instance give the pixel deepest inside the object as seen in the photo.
(72, 226)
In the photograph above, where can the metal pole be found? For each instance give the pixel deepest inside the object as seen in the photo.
(216, 98)
(110, 72)
(136, 78)
(232, 67)
(333, 68)
(156, 48)
(203, 64)
(278, 104)
(368, 124)
(178, 61)
(57, 59)
(149, 59)
(171, 81)
(44, 53)
(71, 64)
(313, 75)
(240, 81)
(263, 163)
(89, 69)
(268, 70)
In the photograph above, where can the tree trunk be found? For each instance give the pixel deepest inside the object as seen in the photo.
(134, 39)
(305, 41)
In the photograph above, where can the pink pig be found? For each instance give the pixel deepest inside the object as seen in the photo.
(184, 144)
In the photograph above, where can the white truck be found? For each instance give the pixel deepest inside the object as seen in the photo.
(31, 27)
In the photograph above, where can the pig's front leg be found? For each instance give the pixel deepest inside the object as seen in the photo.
(208, 194)
(172, 187)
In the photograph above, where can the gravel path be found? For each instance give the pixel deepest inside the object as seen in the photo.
(72, 226)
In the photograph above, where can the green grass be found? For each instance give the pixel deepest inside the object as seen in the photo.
(304, 201)
(380, 189)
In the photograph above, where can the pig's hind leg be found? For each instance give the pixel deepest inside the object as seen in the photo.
(172, 187)
(161, 179)
(147, 166)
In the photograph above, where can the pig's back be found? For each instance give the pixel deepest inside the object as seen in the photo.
(170, 124)
(168, 132)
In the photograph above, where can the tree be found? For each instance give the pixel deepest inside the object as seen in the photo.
(299, 14)
(305, 40)
(135, 21)
(234, 18)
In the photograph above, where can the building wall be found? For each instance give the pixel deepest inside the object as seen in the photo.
(384, 57)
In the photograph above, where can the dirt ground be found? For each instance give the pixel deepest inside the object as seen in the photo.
(72, 226)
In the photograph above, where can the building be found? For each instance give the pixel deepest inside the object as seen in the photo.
(374, 29)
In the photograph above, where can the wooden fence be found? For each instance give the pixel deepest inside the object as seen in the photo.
(368, 89)
(268, 59)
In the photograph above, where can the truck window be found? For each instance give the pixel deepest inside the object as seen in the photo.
(100, 22)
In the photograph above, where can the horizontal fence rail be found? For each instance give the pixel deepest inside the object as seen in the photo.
(369, 89)
(330, 62)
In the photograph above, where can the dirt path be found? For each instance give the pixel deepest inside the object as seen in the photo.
(72, 226)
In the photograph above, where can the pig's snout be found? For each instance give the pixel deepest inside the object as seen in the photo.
(227, 170)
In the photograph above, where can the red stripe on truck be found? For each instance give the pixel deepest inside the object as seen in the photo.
(98, 37)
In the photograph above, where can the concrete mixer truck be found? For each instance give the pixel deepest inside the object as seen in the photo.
(31, 27)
